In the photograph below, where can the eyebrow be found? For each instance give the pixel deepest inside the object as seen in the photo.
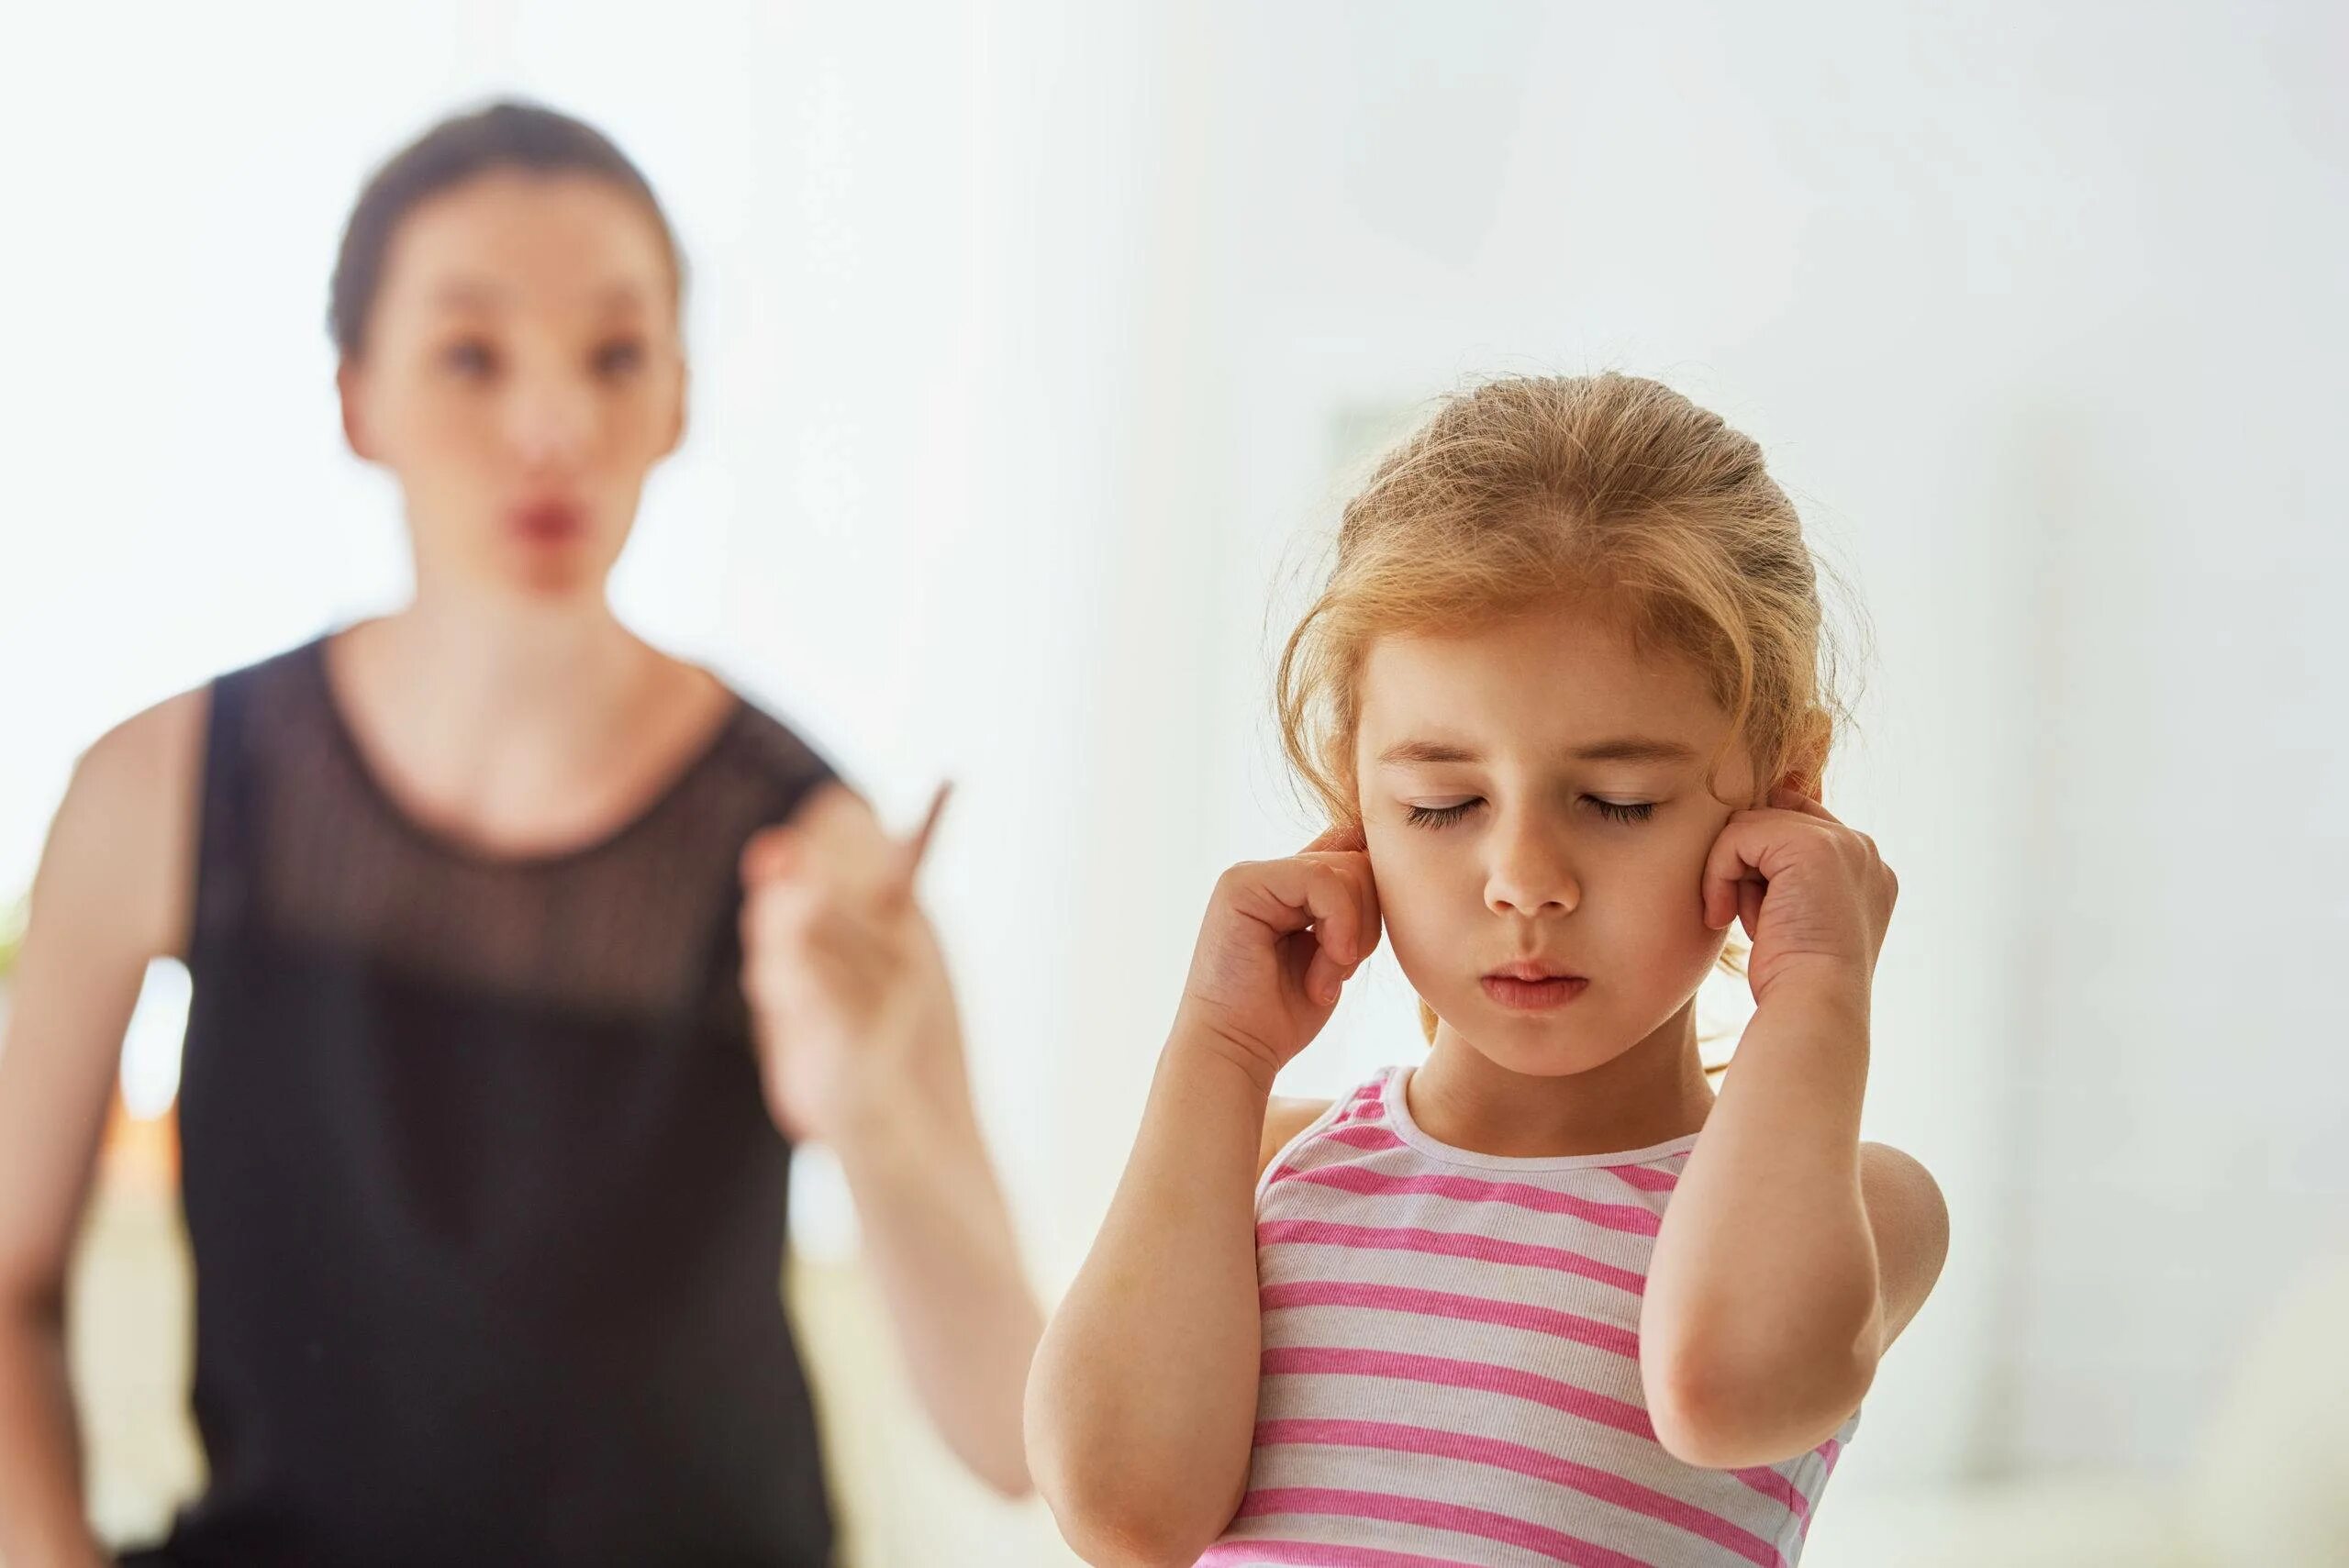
(469, 294)
(465, 293)
(1621, 749)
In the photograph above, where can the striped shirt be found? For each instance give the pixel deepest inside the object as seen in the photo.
(1451, 1366)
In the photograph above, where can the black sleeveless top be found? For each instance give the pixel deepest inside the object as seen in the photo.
(486, 1207)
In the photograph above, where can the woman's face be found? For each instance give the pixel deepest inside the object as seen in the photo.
(1537, 816)
(521, 374)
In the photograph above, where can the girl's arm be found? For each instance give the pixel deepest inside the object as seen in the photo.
(1143, 1397)
(1142, 1404)
(1790, 1255)
(110, 895)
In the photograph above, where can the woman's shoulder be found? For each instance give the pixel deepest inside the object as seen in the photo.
(761, 745)
(770, 739)
(270, 676)
(155, 757)
(124, 834)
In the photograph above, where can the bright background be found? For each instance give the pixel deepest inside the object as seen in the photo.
(1032, 342)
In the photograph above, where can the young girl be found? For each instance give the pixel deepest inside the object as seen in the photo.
(1542, 1298)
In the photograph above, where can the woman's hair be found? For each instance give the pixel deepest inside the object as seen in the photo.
(1609, 488)
(502, 136)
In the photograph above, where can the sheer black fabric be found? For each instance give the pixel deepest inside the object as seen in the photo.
(487, 1208)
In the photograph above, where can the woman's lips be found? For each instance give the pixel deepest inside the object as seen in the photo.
(1529, 990)
(549, 522)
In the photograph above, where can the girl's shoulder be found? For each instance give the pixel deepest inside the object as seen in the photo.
(1288, 1120)
(1285, 1119)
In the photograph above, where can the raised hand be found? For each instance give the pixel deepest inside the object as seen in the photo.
(1814, 895)
(1279, 941)
(848, 990)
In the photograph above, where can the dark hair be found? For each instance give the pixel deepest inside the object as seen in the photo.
(504, 135)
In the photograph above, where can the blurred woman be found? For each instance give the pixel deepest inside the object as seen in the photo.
(523, 952)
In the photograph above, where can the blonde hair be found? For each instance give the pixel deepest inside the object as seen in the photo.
(1531, 489)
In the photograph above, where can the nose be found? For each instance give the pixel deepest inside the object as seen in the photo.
(550, 421)
(1529, 872)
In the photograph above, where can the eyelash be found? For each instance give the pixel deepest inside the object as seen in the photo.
(473, 358)
(1445, 816)
(632, 353)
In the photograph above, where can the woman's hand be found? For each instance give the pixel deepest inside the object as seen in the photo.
(1280, 940)
(848, 989)
(1814, 895)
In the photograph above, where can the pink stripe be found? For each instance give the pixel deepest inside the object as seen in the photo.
(1829, 1452)
(1468, 1189)
(1364, 1135)
(1359, 1136)
(1556, 1545)
(1443, 1304)
(1605, 1485)
(1446, 1244)
(1307, 1554)
(1482, 1376)
(1647, 1178)
(1777, 1488)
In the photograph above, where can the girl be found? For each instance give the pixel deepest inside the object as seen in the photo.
(523, 952)
(1542, 1299)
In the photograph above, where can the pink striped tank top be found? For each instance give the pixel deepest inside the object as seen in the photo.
(1451, 1373)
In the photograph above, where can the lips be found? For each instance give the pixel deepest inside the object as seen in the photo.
(1527, 986)
(1531, 971)
(549, 521)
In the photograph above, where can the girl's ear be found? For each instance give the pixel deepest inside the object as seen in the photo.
(1807, 765)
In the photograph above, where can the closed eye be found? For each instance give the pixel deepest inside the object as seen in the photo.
(1623, 811)
(1440, 816)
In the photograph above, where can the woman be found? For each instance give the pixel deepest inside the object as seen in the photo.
(513, 986)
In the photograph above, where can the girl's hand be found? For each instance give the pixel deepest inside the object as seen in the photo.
(1280, 940)
(1814, 895)
(848, 989)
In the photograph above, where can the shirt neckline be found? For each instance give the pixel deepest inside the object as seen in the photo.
(344, 738)
(1394, 1096)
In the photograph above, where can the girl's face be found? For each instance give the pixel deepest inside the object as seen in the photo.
(1537, 816)
(521, 375)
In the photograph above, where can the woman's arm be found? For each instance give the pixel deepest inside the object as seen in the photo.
(1790, 1255)
(111, 895)
(940, 1244)
(861, 1048)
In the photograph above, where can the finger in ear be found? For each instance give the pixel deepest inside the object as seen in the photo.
(1342, 838)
